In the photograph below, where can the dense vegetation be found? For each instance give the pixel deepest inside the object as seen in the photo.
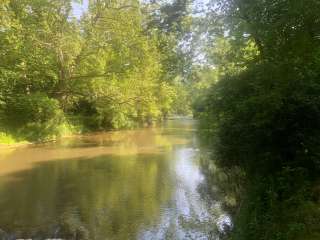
(124, 63)
(264, 113)
(120, 64)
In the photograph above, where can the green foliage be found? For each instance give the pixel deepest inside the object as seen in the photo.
(263, 114)
(279, 207)
(113, 68)
(247, 106)
(6, 138)
(33, 117)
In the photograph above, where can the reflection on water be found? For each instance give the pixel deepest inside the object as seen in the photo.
(141, 184)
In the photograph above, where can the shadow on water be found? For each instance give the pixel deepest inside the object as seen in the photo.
(85, 199)
(144, 184)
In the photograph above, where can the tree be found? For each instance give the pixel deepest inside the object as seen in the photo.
(264, 111)
(105, 70)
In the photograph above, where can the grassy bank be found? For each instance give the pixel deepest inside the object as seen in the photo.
(7, 140)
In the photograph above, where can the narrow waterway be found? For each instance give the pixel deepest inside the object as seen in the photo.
(137, 184)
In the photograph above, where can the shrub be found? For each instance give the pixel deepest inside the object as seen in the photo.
(266, 121)
(34, 117)
(6, 138)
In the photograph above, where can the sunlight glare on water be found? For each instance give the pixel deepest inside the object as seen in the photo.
(134, 184)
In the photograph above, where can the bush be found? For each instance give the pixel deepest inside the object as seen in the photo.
(34, 117)
(266, 121)
(6, 138)
(267, 118)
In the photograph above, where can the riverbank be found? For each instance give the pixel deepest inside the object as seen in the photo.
(71, 130)
(14, 145)
(8, 141)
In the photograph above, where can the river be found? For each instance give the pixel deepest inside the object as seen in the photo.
(132, 184)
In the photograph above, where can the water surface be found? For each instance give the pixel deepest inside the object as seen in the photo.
(137, 184)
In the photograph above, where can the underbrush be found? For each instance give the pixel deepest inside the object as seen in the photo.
(7, 138)
(268, 125)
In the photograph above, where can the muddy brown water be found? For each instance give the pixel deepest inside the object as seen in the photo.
(133, 184)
